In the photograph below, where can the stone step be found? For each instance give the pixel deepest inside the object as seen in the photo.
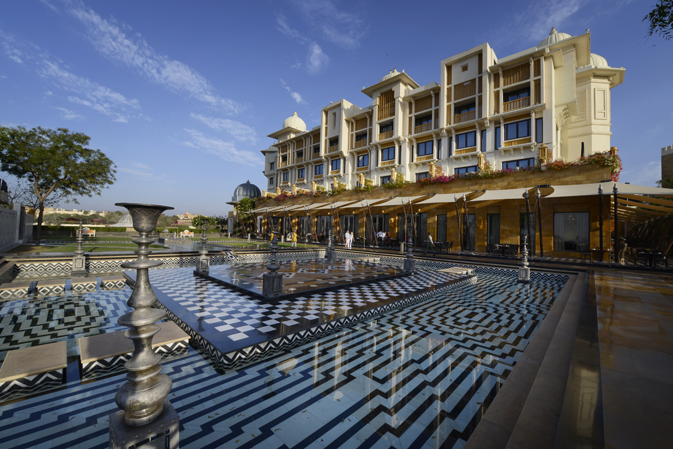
(28, 370)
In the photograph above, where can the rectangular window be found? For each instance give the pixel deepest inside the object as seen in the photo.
(423, 120)
(300, 153)
(492, 229)
(539, 130)
(451, 146)
(336, 164)
(571, 231)
(423, 175)
(425, 148)
(318, 169)
(272, 166)
(483, 140)
(517, 130)
(388, 154)
(361, 137)
(385, 127)
(283, 159)
(386, 179)
(439, 148)
(286, 176)
(516, 94)
(441, 228)
(363, 161)
(497, 138)
(271, 180)
(300, 173)
(316, 149)
(457, 110)
(520, 163)
(465, 170)
(466, 140)
(333, 142)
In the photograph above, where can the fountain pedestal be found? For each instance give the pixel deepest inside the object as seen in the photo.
(79, 260)
(146, 413)
(272, 282)
(330, 254)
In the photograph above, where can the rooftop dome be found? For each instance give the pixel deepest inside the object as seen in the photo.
(390, 74)
(293, 122)
(247, 190)
(125, 221)
(598, 61)
(553, 38)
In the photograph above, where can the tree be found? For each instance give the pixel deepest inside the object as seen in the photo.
(221, 222)
(243, 209)
(660, 19)
(666, 183)
(54, 162)
(200, 219)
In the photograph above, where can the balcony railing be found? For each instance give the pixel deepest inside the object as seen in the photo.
(360, 144)
(465, 117)
(511, 143)
(385, 135)
(466, 150)
(282, 164)
(516, 104)
(298, 159)
(333, 148)
(386, 111)
(422, 128)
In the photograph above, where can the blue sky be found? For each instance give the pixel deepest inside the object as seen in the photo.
(181, 95)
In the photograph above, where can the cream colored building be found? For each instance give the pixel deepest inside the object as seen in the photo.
(58, 210)
(550, 101)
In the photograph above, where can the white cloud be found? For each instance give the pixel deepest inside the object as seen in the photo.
(67, 114)
(645, 175)
(82, 90)
(238, 130)
(535, 21)
(226, 151)
(294, 95)
(316, 59)
(341, 27)
(49, 5)
(134, 52)
(144, 172)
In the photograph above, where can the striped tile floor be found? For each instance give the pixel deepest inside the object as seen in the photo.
(421, 377)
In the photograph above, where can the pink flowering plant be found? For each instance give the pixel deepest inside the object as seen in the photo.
(600, 159)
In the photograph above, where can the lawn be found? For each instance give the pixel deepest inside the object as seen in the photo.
(72, 248)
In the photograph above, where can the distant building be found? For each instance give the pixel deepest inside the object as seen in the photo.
(667, 162)
(60, 210)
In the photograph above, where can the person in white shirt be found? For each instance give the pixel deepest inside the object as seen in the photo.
(348, 238)
(430, 245)
(380, 235)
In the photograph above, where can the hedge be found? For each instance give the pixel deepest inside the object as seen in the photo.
(74, 228)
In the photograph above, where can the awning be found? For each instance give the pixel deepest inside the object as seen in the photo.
(622, 189)
(364, 203)
(336, 204)
(399, 200)
(442, 198)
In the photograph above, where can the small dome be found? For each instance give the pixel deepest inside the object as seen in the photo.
(294, 122)
(125, 221)
(598, 61)
(246, 190)
(390, 74)
(553, 38)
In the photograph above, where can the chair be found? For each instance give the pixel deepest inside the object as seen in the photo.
(512, 250)
(659, 257)
(641, 255)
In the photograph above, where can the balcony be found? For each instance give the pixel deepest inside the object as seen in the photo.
(385, 135)
(282, 164)
(513, 105)
(422, 128)
(466, 151)
(386, 111)
(515, 142)
(333, 148)
(298, 159)
(465, 117)
(360, 144)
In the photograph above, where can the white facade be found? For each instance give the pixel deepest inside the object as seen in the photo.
(499, 111)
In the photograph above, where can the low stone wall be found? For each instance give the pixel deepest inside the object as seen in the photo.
(7, 227)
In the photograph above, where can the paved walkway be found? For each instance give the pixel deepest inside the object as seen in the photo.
(635, 331)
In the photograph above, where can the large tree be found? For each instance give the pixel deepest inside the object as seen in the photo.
(55, 162)
(660, 19)
(243, 211)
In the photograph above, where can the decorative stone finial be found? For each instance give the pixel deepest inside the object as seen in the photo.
(294, 189)
(553, 31)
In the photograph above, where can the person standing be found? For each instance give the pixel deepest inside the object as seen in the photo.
(429, 245)
(347, 237)
(294, 239)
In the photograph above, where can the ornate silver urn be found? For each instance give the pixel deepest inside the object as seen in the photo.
(143, 396)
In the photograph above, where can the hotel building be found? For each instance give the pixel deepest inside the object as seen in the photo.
(555, 96)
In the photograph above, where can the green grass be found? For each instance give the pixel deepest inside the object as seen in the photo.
(72, 248)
